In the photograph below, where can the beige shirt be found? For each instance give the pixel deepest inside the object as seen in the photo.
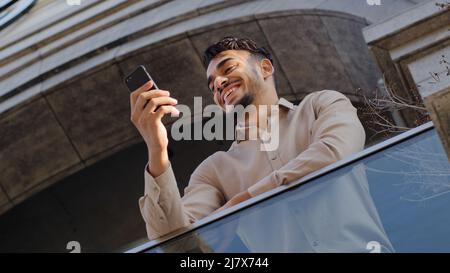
(322, 129)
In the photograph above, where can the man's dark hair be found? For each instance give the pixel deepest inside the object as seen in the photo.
(233, 43)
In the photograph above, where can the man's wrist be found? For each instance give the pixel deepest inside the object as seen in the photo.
(240, 197)
(158, 162)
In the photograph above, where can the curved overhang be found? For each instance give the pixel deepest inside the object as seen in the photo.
(63, 105)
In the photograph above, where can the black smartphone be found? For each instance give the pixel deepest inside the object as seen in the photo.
(138, 78)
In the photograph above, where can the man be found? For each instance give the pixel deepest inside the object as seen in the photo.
(322, 129)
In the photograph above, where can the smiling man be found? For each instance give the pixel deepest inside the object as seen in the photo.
(322, 129)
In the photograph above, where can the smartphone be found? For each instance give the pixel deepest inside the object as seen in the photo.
(138, 78)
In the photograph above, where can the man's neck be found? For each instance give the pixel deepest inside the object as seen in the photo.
(261, 110)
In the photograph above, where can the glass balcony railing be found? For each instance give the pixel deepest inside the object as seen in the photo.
(392, 197)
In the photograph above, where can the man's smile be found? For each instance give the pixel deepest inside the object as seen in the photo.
(229, 90)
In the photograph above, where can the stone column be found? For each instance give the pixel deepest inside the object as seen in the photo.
(413, 51)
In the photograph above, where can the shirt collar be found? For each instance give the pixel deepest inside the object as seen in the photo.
(240, 128)
(285, 103)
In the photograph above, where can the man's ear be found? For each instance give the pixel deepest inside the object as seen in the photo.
(267, 68)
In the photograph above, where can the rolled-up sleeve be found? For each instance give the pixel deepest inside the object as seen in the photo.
(164, 211)
(336, 133)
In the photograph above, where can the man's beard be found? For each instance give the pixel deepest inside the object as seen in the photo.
(246, 100)
(249, 97)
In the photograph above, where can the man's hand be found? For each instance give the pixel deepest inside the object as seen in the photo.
(148, 122)
(238, 198)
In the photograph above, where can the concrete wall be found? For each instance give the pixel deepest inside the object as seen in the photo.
(98, 206)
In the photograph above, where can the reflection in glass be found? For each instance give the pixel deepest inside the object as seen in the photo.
(394, 200)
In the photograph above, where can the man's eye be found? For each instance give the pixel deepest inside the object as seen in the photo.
(229, 69)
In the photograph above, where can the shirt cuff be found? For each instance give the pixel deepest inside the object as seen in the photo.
(155, 185)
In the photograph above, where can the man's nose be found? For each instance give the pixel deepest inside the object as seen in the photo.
(221, 82)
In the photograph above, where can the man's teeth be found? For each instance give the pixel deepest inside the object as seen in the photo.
(231, 91)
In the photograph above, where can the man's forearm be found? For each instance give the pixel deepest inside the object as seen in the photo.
(238, 198)
(158, 162)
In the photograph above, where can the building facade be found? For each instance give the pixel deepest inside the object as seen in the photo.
(72, 162)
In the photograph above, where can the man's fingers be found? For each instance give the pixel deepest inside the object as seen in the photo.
(159, 101)
(144, 97)
(167, 109)
(134, 95)
(153, 108)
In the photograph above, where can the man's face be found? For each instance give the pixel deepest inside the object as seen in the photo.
(233, 78)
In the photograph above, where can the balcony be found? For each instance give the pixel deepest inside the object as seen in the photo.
(391, 197)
